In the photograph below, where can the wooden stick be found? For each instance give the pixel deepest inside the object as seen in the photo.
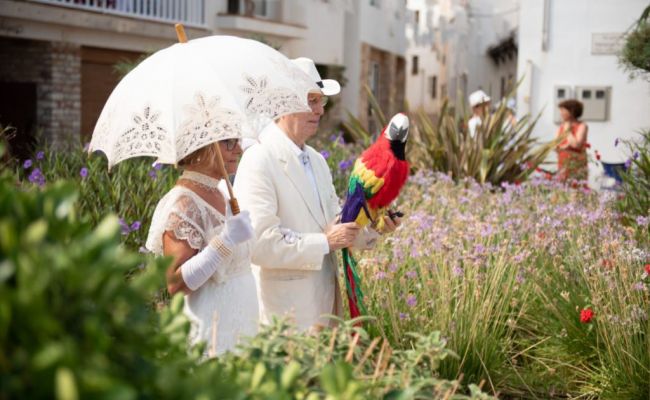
(234, 205)
(180, 33)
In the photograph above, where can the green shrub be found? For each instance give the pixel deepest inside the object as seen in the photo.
(634, 201)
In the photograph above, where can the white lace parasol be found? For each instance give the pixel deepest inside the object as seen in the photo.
(191, 94)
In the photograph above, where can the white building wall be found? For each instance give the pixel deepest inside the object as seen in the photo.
(490, 22)
(383, 26)
(421, 39)
(380, 26)
(325, 34)
(569, 61)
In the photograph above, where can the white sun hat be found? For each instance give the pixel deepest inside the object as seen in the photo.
(329, 87)
(478, 97)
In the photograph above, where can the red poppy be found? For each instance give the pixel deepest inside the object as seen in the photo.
(647, 269)
(586, 315)
(597, 155)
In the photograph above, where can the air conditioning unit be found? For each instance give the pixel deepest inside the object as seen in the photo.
(595, 100)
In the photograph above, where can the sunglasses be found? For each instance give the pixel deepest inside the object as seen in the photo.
(317, 100)
(231, 143)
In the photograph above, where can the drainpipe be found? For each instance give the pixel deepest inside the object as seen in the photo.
(546, 24)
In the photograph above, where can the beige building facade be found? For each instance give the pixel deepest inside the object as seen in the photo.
(59, 56)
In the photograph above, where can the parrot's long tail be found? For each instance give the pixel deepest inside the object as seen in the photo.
(353, 284)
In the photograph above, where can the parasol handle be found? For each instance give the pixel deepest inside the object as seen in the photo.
(180, 33)
(234, 205)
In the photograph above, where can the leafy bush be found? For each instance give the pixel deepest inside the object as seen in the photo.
(131, 189)
(635, 56)
(634, 202)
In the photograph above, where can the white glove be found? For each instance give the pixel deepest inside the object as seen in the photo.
(237, 229)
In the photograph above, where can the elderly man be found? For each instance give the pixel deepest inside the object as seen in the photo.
(480, 103)
(287, 187)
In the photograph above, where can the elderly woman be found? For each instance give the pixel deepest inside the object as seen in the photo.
(210, 248)
(572, 155)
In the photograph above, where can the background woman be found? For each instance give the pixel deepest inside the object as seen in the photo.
(572, 155)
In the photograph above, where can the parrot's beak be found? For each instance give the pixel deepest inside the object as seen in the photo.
(398, 128)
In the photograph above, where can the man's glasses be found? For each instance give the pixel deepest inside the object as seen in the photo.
(317, 101)
(231, 144)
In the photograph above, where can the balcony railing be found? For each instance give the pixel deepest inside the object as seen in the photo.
(188, 12)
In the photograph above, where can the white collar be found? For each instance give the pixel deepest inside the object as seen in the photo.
(297, 151)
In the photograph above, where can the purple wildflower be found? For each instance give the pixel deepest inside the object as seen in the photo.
(83, 172)
(380, 275)
(333, 138)
(403, 316)
(124, 227)
(27, 163)
(40, 155)
(157, 166)
(457, 271)
(345, 164)
(636, 155)
(639, 287)
(628, 163)
(325, 154)
(411, 274)
(642, 221)
(37, 177)
(616, 142)
(153, 174)
(135, 226)
(411, 300)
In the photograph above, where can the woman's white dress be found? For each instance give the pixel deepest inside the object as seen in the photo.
(228, 300)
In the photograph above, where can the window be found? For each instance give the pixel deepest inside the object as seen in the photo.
(503, 86)
(414, 65)
(600, 94)
(586, 94)
(433, 86)
(417, 18)
(374, 3)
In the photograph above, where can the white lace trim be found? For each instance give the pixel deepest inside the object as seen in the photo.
(144, 137)
(206, 122)
(270, 102)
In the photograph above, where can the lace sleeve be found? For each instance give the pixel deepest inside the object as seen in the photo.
(180, 215)
(186, 222)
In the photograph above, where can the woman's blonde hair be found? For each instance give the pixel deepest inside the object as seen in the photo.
(206, 153)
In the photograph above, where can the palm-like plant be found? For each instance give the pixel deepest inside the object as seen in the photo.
(499, 152)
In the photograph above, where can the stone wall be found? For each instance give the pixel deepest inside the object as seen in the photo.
(55, 68)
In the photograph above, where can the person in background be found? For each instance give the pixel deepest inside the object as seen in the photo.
(572, 151)
(480, 103)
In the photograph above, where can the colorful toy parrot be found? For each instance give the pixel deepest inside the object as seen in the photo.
(376, 180)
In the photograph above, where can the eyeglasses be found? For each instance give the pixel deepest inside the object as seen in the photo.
(231, 143)
(317, 100)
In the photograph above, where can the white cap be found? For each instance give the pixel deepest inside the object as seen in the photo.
(329, 87)
(478, 97)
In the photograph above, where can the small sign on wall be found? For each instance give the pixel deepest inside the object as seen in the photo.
(606, 43)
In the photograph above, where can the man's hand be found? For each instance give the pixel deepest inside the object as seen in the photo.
(391, 224)
(340, 236)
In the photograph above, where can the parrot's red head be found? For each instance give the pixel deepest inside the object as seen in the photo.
(396, 132)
